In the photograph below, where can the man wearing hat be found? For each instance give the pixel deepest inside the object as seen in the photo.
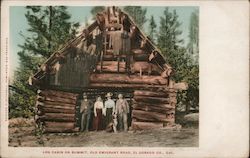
(85, 110)
(122, 110)
(109, 109)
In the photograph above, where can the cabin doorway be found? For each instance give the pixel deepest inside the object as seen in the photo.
(92, 95)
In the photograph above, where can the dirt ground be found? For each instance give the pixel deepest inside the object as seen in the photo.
(24, 135)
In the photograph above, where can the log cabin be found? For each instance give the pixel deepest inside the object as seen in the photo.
(110, 55)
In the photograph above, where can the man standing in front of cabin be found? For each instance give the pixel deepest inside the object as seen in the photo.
(122, 110)
(85, 110)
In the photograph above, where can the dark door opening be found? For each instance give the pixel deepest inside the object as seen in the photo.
(92, 95)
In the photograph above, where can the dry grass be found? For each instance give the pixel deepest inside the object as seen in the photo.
(25, 136)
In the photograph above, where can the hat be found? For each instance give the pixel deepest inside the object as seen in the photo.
(109, 94)
(120, 95)
(84, 94)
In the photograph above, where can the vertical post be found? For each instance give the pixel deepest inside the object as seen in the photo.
(50, 24)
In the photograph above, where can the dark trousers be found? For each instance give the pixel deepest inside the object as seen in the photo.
(123, 121)
(85, 120)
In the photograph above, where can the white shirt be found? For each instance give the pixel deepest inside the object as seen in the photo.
(109, 104)
(98, 105)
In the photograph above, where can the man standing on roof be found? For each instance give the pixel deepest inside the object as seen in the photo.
(126, 42)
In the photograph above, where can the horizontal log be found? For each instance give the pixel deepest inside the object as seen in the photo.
(57, 110)
(162, 108)
(58, 94)
(143, 66)
(155, 100)
(109, 57)
(41, 106)
(161, 105)
(60, 130)
(120, 85)
(149, 116)
(58, 103)
(133, 87)
(109, 69)
(56, 99)
(67, 125)
(58, 117)
(141, 57)
(181, 86)
(125, 79)
(112, 63)
(167, 70)
(111, 66)
(146, 125)
(136, 57)
(136, 67)
(138, 51)
(150, 93)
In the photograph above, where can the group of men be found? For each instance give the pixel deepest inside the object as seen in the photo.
(104, 115)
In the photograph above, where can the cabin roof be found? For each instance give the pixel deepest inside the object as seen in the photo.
(55, 56)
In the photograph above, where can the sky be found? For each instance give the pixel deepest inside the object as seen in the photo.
(18, 24)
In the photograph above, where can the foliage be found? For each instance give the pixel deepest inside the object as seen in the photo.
(168, 37)
(96, 10)
(175, 54)
(138, 14)
(49, 28)
(193, 44)
(152, 28)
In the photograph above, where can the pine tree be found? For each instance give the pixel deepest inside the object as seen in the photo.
(170, 43)
(193, 44)
(138, 14)
(152, 28)
(49, 29)
(168, 38)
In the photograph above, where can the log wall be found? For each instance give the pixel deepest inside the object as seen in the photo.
(73, 72)
(56, 111)
(154, 97)
(153, 109)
